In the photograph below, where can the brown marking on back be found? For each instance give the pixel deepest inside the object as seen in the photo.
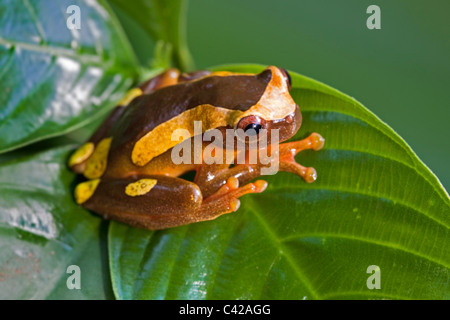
(146, 112)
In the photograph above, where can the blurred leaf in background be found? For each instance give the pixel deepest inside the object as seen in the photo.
(55, 79)
(43, 231)
(157, 19)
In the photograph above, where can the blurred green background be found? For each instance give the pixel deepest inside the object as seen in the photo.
(400, 72)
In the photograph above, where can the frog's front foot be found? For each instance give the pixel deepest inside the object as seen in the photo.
(227, 196)
(289, 150)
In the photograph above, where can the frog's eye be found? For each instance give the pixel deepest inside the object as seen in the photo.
(288, 78)
(251, 125)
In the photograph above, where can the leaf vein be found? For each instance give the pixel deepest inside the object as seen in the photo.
(289, 259)
(353, 237)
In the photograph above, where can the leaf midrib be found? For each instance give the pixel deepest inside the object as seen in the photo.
(282, 252)
(84, 58)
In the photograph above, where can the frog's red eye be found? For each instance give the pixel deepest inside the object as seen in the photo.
(251, 125)
(288, 78)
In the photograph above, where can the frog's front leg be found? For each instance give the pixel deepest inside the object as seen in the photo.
(158, 202)
(289, 150)
(212, 177)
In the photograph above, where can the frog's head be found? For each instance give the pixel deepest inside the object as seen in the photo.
(275, 109)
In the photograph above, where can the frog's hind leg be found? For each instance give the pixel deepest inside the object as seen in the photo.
(158, 202)
(143, 201)
(226, 199)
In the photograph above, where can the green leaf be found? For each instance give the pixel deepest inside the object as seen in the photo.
(165, 23)
(53, 79)
(43, 231)
(374, 203)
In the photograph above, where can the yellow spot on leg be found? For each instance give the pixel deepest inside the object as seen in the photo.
(83, 153)
(140, 187)
(98, 161)
(85, 190)
(133, 93)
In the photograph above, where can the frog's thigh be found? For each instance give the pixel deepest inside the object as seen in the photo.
(146, 201)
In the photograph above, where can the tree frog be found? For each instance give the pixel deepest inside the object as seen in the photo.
(128, 162)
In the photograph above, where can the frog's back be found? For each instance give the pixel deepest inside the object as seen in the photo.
(146, 112)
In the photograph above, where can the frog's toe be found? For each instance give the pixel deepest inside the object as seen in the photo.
(231, 184)
(288, 151)
(317, 141)
(227, 196)
(309, 174)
